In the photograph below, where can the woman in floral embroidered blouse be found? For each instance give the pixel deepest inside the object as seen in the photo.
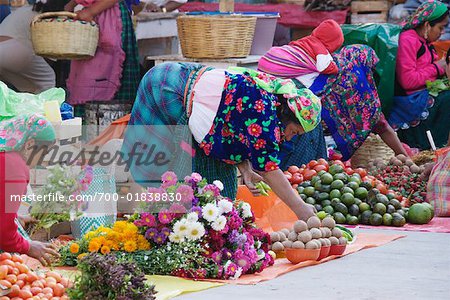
(238, 118)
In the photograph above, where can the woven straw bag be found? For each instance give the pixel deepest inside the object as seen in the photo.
(216, 36)
(372, 148)
(58, 35)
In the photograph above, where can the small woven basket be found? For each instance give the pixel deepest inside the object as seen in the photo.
(58, 35)
(216, 36)
(372, 148)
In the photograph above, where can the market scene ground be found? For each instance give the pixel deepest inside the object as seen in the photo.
(159, 149)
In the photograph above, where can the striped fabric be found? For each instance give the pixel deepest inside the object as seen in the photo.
(287, 62)
(439, 187)
(160, 101)
(131, 69)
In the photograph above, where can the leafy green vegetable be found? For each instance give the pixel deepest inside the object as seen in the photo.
(437, 86)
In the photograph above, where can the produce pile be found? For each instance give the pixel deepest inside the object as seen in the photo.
(23, 283)
(351, 196)
(403, 176)
(203, 235)
(312, 234)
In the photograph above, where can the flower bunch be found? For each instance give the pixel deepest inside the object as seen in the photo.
(123, 236)
(61, 183)
(230, 242)
(107, 277)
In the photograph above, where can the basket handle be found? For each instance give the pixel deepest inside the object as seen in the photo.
(53, 14)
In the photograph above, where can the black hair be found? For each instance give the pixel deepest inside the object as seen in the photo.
(50, 6)
(439, 20)
(284, 113)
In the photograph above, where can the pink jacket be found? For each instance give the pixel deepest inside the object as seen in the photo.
(412, 72)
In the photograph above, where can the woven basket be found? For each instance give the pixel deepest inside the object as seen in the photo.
(216, 36)
(57, 35)
(372, 148)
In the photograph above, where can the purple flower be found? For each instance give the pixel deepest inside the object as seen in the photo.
(217, 257)
(160, 238)
(226, 254)
(198, 210)
(150, 233)
(165, 231)
(165, 216)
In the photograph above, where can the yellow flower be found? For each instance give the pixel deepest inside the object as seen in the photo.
(120, 226)
(90, 235)
(74, 248)
(79, 257)
(105, 250)
(143, 244)
(94, 246)
(130, 246)
(130, 227)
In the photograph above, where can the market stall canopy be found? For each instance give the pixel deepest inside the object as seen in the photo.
(291, 15)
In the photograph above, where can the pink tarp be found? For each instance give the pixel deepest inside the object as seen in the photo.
(439, 225)
(291, 15)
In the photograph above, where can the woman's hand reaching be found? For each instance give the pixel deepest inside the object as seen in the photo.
(85, 15)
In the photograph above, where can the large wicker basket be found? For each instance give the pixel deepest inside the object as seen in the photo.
(372, 148)
(225, 36)
(58, 35)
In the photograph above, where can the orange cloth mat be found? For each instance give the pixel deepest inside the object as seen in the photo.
(441, 47)
(283, 266)
(114, 131)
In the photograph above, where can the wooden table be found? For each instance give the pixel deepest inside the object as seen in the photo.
(247, 62)
(156, 33)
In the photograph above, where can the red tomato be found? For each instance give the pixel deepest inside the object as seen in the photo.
(382, 188)
(295, 186)
(338, 162)
(349, 171)
(319, 168)
(308, 174)
(297, 178)
(362, 172)
(336, 156)
(301, 170)
(347, 164)
(322, 161)
(312, 164)
(293, 169)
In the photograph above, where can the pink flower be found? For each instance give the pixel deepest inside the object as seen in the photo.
(231, 269)
(259, 106)
(185, 193)
(170, 178)
(305, 101)
(239, 105)
(196, 177)
(217, 257)
(213, 189)
(177, 209)
(3, 134)
(11, 143)
(260, 143)
(147, 219)
(165, 216)
(254, 130)
(41, 122)
(271, 166)
(242, 260)
(277, 134)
